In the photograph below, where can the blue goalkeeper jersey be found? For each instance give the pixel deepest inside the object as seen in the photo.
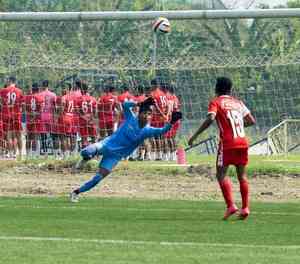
(129, 135)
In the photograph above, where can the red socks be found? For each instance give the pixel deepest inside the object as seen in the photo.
(226, 188)
(244, 189)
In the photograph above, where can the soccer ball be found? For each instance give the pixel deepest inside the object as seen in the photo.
(162, 24)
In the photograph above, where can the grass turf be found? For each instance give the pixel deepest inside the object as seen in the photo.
(132, 231)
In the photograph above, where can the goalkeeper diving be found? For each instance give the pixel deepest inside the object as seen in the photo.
(134, 130)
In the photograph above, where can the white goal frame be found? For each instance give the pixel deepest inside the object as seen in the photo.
(150, 15)
(273, 148)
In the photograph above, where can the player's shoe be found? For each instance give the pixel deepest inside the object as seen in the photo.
(244, 213)
(74, 197)
(230, 211)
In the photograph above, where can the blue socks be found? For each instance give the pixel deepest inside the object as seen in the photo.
(91, 183)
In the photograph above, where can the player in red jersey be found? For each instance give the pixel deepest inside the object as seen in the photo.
(12, 100)
(160, 116)
(34, 104)
(126, 95)
(65, 120)
(232, 116)
(86, 107)
(76, 94)
(174, 105)
(143, 91)
(107, 111)
(47, 116)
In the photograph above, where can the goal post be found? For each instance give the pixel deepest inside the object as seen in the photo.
(284, 138)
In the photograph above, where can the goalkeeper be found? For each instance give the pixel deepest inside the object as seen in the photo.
(122, 143)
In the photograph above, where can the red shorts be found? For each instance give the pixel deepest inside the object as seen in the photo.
(173, 131)
(236, 156)
(106, 124)
(12, 123)
(66, 124)
(34, 127)
(87, 130)
(75, 123)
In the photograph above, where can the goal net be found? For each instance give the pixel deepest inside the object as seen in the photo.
(260, 55)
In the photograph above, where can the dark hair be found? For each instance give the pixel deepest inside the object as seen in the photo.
(35, 86)
(12, 79)
(45, 83)
(124, 87)
(223, 86)
(155, 82)
(78, 83)
(109, 88)
(83, 87)
(171, 89)
(67, 86)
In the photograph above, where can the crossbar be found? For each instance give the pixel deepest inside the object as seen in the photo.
(149, 15)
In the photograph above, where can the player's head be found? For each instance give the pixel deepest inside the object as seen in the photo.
(145, 114)
(45, 84)
(164, 87)
(125, 88)
(109, 88)
(77, 84)
(154, 83)
(35, 88)
(12, 80)
(84, 87)
(223, 86)
(171, 89)
(67, 86)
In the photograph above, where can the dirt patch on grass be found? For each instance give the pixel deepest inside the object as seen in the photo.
(189, 183)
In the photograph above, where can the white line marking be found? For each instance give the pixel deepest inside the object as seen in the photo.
(137, 209)
(151, 243)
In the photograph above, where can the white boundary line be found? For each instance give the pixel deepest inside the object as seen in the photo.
(73, 207)
(151, 243)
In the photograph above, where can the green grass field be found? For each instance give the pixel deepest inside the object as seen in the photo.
(46, 230)
(51, 230)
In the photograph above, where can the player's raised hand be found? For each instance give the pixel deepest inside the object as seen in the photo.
(175, 117)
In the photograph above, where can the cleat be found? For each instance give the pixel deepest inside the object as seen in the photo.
(244, 213)
(230, 211)
(74, 197)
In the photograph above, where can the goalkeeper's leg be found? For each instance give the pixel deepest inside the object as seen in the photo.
(106, 165)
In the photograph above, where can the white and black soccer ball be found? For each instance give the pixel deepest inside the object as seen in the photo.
(162, 24)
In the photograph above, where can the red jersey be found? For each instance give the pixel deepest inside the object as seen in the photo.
(11, 99)
(106, 106)
(230, 113)
(67, 104)
(86, 106)
(34, 104)
(161, 101)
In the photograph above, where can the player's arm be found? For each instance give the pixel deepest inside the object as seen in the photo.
(249, 120)
(127, 105)
(207, 122)
(153, 132)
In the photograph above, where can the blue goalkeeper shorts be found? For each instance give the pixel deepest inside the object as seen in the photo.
(108, 161)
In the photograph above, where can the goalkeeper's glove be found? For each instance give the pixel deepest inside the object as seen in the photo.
(175, 117)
